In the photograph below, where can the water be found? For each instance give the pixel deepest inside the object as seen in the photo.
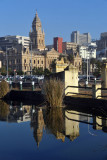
(28, 132)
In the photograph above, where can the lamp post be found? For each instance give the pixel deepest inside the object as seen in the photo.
(84, 57)
(87, 70)
(91, 49)
(31, 60)
(6, 62)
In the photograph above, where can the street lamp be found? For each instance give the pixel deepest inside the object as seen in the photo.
(31, 60)
(91, 49)
(6, 62)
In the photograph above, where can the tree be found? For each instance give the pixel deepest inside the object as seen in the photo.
(70, 58)
(37, 71)
(46, 72)
(3, 70)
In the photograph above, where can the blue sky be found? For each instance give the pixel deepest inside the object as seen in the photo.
(58, 17)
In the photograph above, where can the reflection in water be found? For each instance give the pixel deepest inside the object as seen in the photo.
(72, 126)
(62, 123)
(37, 123)
(55, 122)
(14, 113)
(100, 123)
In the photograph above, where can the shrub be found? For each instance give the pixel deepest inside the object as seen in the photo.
(54, 90)
(4, 88)
(4, 109)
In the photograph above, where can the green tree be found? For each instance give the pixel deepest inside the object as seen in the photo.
(37, 71)
(70, 57)
(3, 70)
(20, 73)
(46, 72)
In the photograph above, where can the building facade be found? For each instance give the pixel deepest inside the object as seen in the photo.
(88, 51)
(11, 41)
(69, 46)
(37, 36)
(23, 59)
(58, 44)
(80, 39)
(102, 46)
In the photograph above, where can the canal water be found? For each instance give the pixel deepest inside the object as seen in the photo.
(28, 132)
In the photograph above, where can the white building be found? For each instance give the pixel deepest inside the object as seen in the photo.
(20, 40)
(88, 51)
(10, 41)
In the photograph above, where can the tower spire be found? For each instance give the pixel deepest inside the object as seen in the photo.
(36, 13)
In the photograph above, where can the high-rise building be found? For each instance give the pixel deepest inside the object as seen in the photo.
(80, 39)
(11, 41)
(58, 44)
(102, 43)
(37, 36)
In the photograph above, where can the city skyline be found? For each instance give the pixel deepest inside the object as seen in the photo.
(58, 18)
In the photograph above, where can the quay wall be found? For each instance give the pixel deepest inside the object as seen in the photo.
(34, 96)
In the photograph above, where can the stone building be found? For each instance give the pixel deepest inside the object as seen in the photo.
(77, 61)
(23, 59)
(37, 36)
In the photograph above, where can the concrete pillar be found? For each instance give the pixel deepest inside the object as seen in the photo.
(10, 85)
(21, 86)
(96, 93)
(104, 75)
(33, 84)
(71, 79)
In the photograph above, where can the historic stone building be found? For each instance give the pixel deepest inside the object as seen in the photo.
(37, 36)
(23, 59)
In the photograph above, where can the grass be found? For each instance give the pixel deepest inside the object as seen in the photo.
(4, 88)
(54, 91)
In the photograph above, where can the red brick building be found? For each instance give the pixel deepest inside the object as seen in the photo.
(58, 44)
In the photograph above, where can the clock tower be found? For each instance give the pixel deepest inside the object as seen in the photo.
(37, 36)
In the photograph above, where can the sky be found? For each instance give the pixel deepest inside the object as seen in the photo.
(59, 18)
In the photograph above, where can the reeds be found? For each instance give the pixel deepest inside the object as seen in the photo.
(4, 88)
(54, 91)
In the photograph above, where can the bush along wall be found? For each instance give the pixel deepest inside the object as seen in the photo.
(54, 91)
(4, 88)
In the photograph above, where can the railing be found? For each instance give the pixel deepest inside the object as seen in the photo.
(93, 89)
(24, 85)
(79, 87)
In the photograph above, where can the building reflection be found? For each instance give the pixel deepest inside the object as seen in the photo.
(100, 123)
(37, 123)
(72, 124)
(15, 113)
(62, 123)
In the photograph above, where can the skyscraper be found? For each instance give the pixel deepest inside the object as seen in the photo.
(80, 39)
(37, 36)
